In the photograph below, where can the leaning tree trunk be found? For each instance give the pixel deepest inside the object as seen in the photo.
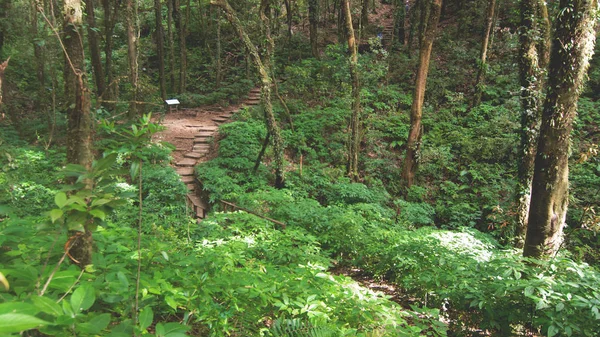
(313, 7)
(532, 65)
(572, 48)
(266, 83)
(79, 121)
(130, 18)
(160, 49)
(94, 48)
(489, 20)
(416, 111)
(354, 143)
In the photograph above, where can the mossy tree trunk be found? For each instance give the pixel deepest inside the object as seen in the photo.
(266, 84)
(413, 147)
(79, 121)
(572, 48)
(354, 143)
(533, 61)
(110, 93)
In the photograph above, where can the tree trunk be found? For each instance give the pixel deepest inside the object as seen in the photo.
(289, 17)
(109, 20)
(171, 44)
(414, 137)
(38, 52)
(364, 14)
(160, 49)
(489, 19)
(354, 143)
(79, 121)
(272, 125)
(218, 52)
(3, 66)
(532, 66)
(181, 23)
(313, 7)
(130, 18)
(94, 48)
(573, 45)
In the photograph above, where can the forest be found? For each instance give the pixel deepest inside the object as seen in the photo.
(299, 168)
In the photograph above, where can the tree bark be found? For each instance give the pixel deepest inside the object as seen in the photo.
(354, 144)
(572, 48)
(489, 19)
(313, 8)
(3, 66)
(266, 83)
(130, 18)
(532, 64)
(218, 71)
(181, 23)
(411, 160)
(94, 48)
(364, 14)
(79, 121)
(160, 49)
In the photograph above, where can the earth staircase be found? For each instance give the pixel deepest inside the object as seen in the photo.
(199, 150)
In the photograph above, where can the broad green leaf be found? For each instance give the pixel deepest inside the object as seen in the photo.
(552, 330)
(82, 298)
(134, 169)
(98, 214)
(4, 282)
(13, 322)
(171, 302)
(19, 308)
(165, 255)
(560, 306)
(146, 317)
(60, 199)
(55, 214)
(105, 163)
(100, 202)
(171, 330)
(47, 305)
(95, 325)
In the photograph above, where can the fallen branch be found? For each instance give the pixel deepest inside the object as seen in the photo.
(283, 226)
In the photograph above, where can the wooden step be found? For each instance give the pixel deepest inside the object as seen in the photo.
(201, 149)
(185, 171)
(184, 137)
(198, 205)
(202, 140)
(191, 187)
(220, 119)
(204, 128)
(204, 134)
(194, 155)
(188, 179)
(255, 90)
(187, 162)
(252, 101)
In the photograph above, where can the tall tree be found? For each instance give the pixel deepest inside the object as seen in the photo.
(171, 44)
(181, 22)
(266, 84)
(354, 143)
(79, 121)
(533, 60)
(416, 111)
(313, 8)
(132, 53)
(94, 46)
(489, 20)
(3, 66)
(160, 48)
(572, 48)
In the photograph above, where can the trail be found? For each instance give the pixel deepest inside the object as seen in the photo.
(191, 132)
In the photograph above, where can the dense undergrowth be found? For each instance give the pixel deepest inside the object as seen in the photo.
(445, 243)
